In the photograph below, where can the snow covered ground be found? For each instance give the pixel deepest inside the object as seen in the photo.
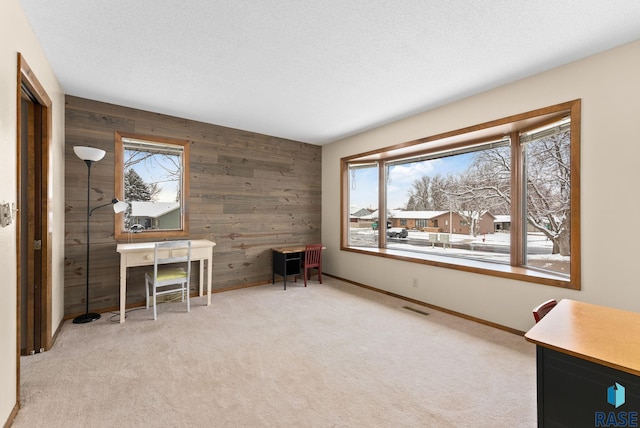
(490, 247)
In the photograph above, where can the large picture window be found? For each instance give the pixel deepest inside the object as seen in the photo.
(500, 198)
(152, 177)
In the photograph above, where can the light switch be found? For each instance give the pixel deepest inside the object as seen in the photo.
(6, 214)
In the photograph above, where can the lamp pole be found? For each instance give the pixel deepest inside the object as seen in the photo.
(91, 155)
(87, 316)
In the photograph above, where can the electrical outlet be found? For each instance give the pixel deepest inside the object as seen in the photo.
(415, 283)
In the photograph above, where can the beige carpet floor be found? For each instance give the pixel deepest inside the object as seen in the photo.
(330, 355)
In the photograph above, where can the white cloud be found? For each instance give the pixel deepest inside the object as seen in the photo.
(405, 175)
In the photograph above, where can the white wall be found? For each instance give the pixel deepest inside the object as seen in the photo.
(16, 36)
(609, 86)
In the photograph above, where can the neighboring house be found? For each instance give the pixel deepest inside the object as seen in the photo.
(502, 223)
(361, 214)
(362, 218)
(155, 215)
(439, 221)
(421, 220)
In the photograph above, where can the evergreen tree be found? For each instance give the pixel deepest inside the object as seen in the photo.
(135, 189)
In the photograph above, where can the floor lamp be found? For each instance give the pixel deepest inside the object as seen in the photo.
(90, 156)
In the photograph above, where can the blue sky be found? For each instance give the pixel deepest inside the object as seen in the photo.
(401, 178)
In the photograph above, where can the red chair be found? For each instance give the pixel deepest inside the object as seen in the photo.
(543, 309)
(312, 259)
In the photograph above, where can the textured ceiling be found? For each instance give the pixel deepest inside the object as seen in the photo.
(313, 71)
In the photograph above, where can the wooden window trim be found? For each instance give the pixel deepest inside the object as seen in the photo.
(512, 126)
(119, 233)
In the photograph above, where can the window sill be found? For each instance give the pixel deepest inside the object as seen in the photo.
(473, 266)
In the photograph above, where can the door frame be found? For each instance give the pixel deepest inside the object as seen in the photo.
(26, 79)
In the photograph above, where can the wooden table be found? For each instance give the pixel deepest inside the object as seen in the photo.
(141, 254)
(582, 350)
(287, 261)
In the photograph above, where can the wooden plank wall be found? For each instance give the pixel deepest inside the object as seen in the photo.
(249, 193)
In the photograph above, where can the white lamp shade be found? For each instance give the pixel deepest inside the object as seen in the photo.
(89, 153)
(120, 206)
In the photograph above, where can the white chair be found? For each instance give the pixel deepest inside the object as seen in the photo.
(168, 271)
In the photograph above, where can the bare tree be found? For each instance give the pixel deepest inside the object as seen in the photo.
(486, 187)
(169, 164)
(439, 191)
(548, 185)
(428, 193)
(471, 198)
(548, 192)
(419, 199)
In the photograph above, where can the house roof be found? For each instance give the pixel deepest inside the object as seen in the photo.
(318, 71)
(416, 214)
(361, 213)
(152, 209)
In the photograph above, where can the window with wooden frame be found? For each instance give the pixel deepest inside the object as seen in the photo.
(500, 198)
(152, 176)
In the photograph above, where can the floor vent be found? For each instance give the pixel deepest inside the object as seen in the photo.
(416, 310)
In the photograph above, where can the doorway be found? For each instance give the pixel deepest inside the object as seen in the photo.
(30, 225)
(33, 234)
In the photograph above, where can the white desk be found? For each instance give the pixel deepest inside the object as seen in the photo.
(141, 254)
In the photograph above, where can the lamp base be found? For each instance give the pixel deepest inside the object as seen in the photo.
(85, 318)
